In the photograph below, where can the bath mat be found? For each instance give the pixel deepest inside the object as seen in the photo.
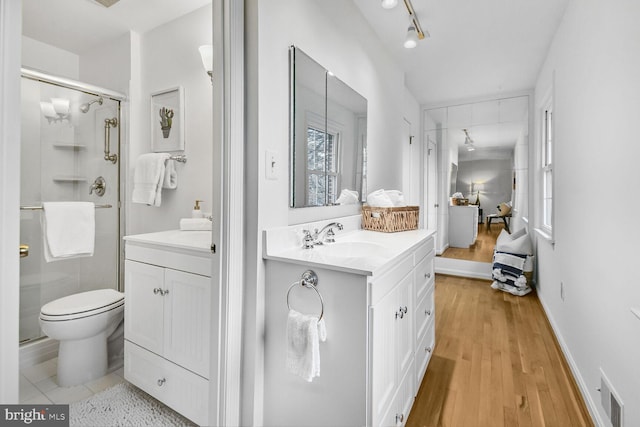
(123, 405)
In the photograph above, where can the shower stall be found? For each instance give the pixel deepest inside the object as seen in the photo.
(70, 151)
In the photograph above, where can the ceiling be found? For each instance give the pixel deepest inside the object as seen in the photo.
(79, 25)
(477, 48)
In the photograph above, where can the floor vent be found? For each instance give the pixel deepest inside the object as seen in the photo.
(610, 401)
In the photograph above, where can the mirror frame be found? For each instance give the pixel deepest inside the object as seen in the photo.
(358, 172)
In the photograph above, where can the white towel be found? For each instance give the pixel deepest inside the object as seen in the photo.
(68, 230)
(379, 199)
(348, 197)
(150, 177)
(187, 224)
(170, 175)
(304, 333)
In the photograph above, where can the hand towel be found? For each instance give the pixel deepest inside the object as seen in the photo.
(148, 178)
(396, 197)
(170, 180)
(304, 333)
(68, 230)
(187, 224)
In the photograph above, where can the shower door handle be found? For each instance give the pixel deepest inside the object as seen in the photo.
(24, 251)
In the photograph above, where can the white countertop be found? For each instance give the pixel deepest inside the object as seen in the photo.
(378, 251)
(199, 241)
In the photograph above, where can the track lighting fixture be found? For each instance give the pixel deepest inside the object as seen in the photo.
(389, 4)
(412, 37)
(468, 142)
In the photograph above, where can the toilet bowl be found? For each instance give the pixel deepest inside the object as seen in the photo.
(82, 323)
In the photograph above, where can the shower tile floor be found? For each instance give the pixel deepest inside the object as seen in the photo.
(38, 385)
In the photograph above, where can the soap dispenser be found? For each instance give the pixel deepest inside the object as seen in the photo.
(196, 212)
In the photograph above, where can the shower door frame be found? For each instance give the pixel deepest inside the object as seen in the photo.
(119, 98)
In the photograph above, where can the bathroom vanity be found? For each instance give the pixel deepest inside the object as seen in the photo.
(378, 302)
(167, 318)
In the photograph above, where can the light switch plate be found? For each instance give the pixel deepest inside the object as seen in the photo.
(271, 165)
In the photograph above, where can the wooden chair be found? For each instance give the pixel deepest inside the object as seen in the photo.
(504, 213)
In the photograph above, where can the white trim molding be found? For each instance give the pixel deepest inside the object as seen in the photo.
(10, 42)
(228, 196)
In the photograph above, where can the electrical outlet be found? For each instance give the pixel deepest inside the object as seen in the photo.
(562, 291)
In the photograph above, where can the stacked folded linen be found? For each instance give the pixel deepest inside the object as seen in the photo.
(386, 199)
(348, 197)
(191, 224)
(512, 261)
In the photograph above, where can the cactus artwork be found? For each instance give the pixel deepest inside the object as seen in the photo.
(165, 121)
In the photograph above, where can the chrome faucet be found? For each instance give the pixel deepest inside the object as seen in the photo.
(329, 235)
(310, 240)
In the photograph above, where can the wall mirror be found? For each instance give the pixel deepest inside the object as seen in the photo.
(485, 147)
(327, 138)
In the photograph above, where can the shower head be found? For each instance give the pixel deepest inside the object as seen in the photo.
(85, 107)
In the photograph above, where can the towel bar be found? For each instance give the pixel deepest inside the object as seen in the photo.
(179, 158)
(39, 208)
(309, 280)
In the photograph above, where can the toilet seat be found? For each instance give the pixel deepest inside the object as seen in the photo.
(81, 305)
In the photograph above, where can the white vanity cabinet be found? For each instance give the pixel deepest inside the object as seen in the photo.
(167, 324)
(369, 364)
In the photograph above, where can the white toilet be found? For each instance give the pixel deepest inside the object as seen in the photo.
(82, 323)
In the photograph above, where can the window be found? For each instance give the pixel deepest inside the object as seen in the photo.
(547, 167)
(322, 167)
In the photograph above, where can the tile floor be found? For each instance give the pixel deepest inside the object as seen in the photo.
(38, 385)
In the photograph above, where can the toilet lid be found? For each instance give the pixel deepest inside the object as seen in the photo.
(82, 302)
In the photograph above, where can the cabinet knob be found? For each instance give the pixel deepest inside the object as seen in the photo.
(404, 309)
(157, 291)
(161, 382)
(399, 418)
(427, 275)
(427, 312)
(427, 349)
(164, 292)
(399, 314)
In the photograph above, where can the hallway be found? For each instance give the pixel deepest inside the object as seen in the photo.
(496, 363)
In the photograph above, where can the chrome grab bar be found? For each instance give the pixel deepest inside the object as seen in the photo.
(39, 208)
(108, 123)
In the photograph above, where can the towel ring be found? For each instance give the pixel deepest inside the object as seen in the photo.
(309, 280)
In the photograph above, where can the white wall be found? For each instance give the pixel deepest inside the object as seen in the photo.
(169, 58)
(335, 35)
(596, 113)
(49, 59)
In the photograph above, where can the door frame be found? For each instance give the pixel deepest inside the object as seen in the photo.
(10, 58)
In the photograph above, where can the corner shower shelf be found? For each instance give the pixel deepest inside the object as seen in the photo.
(69, 146)
(69, 178)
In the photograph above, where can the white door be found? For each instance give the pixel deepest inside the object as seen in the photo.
(143, 306)
(187, 320)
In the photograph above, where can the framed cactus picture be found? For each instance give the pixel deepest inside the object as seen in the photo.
(167, 120)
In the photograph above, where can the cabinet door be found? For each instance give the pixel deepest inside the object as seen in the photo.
(384, 318)
(405, 325)
(187, 317)
(143, 308)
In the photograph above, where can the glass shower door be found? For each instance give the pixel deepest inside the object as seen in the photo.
(63, 159)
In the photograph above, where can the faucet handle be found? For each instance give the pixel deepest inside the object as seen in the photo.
(307, 240)
(330, 236)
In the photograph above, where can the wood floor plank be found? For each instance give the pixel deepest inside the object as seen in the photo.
(495, 363)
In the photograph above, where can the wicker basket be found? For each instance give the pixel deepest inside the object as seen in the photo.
(390, 220)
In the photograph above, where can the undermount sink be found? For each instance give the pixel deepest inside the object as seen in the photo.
(354, 249)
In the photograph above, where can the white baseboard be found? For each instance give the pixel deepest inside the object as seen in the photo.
(582, 385)
(463, 268)
(37, 352)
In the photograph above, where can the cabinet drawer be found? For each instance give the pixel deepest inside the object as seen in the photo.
(425, 311)
(424, 276)
(425, 249)
(389, 280)
(424, 350)
(181, 390)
